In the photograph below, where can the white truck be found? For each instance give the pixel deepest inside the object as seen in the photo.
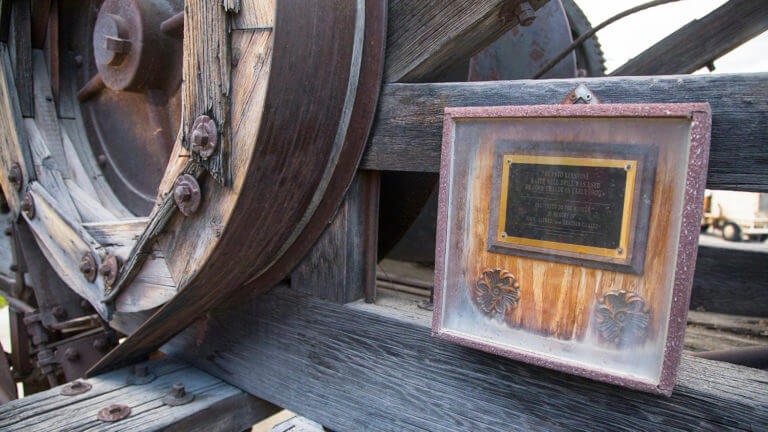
(738, 215)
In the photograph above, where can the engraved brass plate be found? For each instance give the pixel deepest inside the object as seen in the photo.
(577, 205)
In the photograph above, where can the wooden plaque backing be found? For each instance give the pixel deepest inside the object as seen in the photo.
(562, 310)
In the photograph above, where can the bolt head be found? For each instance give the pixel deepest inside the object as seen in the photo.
(71, 354)
(99, 344)
(186, 193)
(28, 205)
(203, 136)
(88, 267)
(102, 160)
(525, 14)
(109, 269)
(14, 268)
(178, 390)
(15, 176)
(8, 230)
(114, 413)
(59, 312)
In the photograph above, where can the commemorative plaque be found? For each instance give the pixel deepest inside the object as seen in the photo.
(567, 235)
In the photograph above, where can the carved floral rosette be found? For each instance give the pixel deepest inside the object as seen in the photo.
(496, 293)
(622, 318)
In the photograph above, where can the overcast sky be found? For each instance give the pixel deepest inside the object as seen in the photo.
(630, 36)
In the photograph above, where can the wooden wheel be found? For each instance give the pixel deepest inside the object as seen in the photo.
(278, 102)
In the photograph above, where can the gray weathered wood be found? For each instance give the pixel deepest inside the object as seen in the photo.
(428, 37)
(217, 406)
(338, 264)
(352, 369)
(20, 44)
(701, 41)
(731, 281)
(408, 129)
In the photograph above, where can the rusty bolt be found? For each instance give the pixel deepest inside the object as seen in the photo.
(141, 375)
(100, 344)
(59, 312)
(178, 396)
(74, 388)
(114, 413)
(88, 267)
(186, 193)
(71, 354)
(525, 13)
(109, 269)
(15, 176)
(204, 136)
(28, 205)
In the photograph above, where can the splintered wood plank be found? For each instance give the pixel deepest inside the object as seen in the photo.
(427, 37)
(13, 139)
(47, 173)
(152, 284)
(346, 367)
(207, 54)
(408, 129)
(63, 241)
(217, 406)
(701, 41)
(21, 55)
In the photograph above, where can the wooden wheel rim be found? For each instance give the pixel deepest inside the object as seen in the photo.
(290, 140)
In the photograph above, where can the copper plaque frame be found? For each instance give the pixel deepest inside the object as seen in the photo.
(636, 162)
(679, 240)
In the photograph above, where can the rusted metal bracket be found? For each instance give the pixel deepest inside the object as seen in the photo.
(580, 93)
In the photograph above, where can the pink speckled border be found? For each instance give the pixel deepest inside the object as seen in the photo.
(701, 117)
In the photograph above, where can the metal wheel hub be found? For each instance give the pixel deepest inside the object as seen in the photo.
(130, 50)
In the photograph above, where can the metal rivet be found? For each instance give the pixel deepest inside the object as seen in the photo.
(71, 354)
(186, 193)
(109, 269)
(114, 413)
(28, 205)
(88, 266)
(525, 14)
(74, 388)
(141, 375)
(628, 167)
(100, 344)
(16, 176)
(204, 137)
(102, 160)
(503, 235)
(59, 312)
(178, 396)
(619, 251)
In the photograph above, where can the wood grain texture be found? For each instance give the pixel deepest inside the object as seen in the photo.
(731, 281)
(21, 55)
(295, 150)
(217, 406)
(63, 241)
(207, 59)
(334, 269)
(349, 369)
(555, 315)
(408, 127)
(701, 41)
(428, 37)
(13, 139)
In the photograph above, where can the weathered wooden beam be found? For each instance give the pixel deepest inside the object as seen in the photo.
(359, 366)
(408, 129)
(428, 37)
(216, 406)
(700, 42)
(731, 281)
